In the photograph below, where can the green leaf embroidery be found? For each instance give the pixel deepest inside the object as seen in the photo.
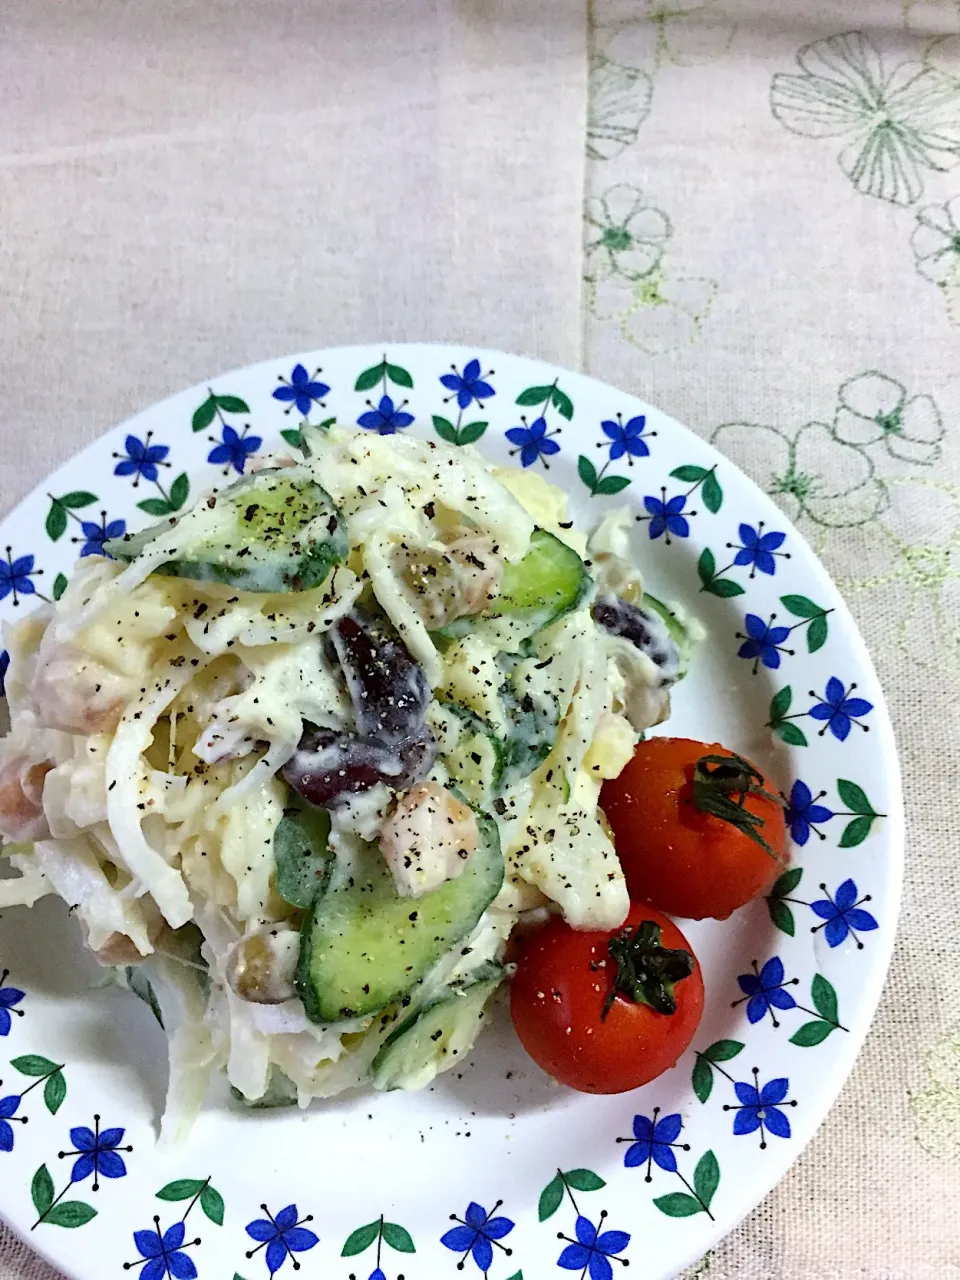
(781, 915)
(203, 416)
(817, 633)
(155, 506)
(55, 1092)
(611, 484)
(562, 403)
(360, 1239)
(370, 377)
(780, 705)
(678, 1205)
(398, 1238)
(56, 523)
(706, 1177)
(399, 375)
(689, 474)
(232, 404)
(800, 606)
(59, 585)
(723, 1050)
(41, 1190)
(712, 493)
(551, 1198)
(587, 472)
(211, 1202)
(71, 1214)
(811, 1033)
(179, 491)
(854, 797)
(472, 432)
(706, 566)
(792, 735)
(33, 1065)
(535, 395)
(517, 1275)
(584, 1180)
(787, 882)
(702, 1079)
(78, 498)
(445, 429)
(723, 587)
(292, 437)
(183, 1189)
(237, 1276)
(824, 998)
(855, 832)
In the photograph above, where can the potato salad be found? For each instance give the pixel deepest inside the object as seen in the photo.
(300, 759)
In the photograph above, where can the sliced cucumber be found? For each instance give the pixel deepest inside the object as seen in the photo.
(475, 763)
(548, 582)
(438, 1036)
(302, 855)
(363, 946)
(277, 530)
(678, 630)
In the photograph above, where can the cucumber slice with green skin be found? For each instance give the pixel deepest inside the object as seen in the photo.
(476, 763)
(678, 631)
(363, 946)
(439, 1035)
(302, 855)
(277, 530)
(548, 582)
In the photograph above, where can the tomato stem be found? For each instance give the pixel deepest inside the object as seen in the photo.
(721, 785)
(647, 972)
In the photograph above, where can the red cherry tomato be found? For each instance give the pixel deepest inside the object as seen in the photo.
(593, 1008)
(696, 836)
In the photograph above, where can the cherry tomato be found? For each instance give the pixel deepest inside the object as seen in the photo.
(697, 828)
(607, 1011)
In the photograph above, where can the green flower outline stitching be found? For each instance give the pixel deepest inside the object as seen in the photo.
(898, 123)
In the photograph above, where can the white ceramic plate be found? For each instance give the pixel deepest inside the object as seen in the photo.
(495, 1170)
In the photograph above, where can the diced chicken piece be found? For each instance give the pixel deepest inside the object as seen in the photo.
(261, 967)
(427, 839)
(455, 582)
(74, 692)
(21, 797)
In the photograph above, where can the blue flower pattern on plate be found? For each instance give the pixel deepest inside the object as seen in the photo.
(301, 392)
(233, 449)
(839, 709)
(141, 459)
(10, 997)
(283, 1234)
(843, 914)
(469, 385)
(164, 1256)
(4, 666)
(476, 1235)
(627, 437)
(760, 1108)
(593, 1248)
(95, 535)
(766, 991)
(16, 576)
(8, 1109)
(803, 812)
(97, 1154)
(665, 516)
(758, 549)
(763, 641)
(655, 1142)
(386, 419)
(533, 441)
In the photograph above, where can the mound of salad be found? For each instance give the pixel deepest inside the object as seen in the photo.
(300, 759)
